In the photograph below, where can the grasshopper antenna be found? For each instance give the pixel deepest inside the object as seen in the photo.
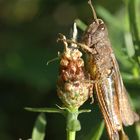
(93, 11)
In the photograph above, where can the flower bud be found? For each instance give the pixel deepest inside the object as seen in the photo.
(73, 86)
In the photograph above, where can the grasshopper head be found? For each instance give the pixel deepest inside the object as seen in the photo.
(95, 32)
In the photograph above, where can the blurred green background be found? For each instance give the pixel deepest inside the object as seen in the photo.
(28, 33)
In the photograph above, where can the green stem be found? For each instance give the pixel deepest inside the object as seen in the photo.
(134, 29)
(81, 24)
(71, 135)
(73, 124)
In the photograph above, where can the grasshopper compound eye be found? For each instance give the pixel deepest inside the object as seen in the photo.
(101, 27)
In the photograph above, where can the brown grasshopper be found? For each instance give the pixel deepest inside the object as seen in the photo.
(104, 70)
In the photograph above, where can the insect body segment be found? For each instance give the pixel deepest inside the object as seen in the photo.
(94, 33)
(103, 67)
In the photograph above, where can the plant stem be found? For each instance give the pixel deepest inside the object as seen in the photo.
(134, 29)
(73, 124)
(71, 135)
(81, 24)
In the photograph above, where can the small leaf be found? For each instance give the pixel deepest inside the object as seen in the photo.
(74, 125)
(81, 24)
(129, 44)
(39, 128)
(98, 133)
(84, 111)
(138, 130)
(47, 110)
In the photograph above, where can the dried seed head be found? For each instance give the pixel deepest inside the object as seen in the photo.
(73, 87)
